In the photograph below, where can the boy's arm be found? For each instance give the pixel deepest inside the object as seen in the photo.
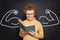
(22, 33)
(39, 34)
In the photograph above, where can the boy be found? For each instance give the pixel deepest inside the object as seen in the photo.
(30, 11)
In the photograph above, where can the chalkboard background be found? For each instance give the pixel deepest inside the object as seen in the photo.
(51, 32)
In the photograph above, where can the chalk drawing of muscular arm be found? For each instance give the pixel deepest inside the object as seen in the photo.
(6, 20)
(52, 19)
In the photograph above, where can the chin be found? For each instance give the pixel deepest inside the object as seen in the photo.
(29, 19)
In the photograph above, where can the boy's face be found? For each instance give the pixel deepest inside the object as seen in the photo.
(30, 14)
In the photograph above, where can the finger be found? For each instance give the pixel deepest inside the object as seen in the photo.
(32, 31)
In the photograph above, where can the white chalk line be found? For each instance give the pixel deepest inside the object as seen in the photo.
(47, 11)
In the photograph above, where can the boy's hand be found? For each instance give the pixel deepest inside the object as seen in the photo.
(31, 32)
(23, 32)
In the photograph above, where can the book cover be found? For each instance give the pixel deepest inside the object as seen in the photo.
(27, 28)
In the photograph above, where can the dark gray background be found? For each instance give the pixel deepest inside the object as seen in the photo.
(51, 33)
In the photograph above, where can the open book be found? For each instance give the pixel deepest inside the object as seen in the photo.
(26, 28)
